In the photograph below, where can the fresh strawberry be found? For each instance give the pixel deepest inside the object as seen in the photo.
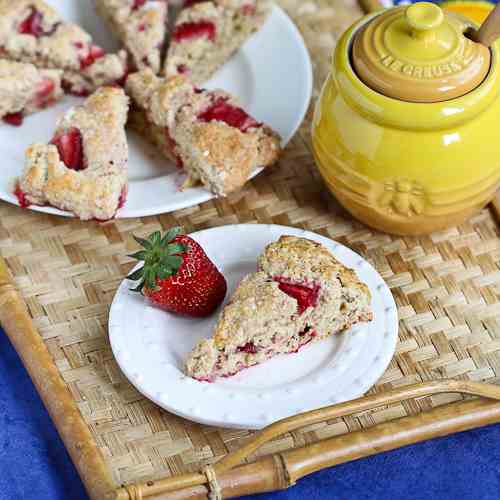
(69, 145)
(177, 275)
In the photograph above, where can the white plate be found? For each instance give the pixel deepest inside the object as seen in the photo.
(151, 345)
(271, 75)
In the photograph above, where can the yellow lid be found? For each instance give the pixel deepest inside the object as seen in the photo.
(420, 54)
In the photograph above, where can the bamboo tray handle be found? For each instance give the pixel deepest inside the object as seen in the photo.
(313, 417)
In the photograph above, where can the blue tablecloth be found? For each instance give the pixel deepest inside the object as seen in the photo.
(34, 464)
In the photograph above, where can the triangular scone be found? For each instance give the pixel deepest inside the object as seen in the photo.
(32, 31)
(84, 168)
(141, 25)
(206, 35)
(299, 294)
(205, 132)
(25, 89)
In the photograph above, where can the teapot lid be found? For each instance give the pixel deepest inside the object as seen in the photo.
(419, 54)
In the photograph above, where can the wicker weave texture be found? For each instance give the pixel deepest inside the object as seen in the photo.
(447, 288)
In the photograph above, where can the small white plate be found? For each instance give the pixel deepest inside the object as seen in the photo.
(151, 345)
(271, 75)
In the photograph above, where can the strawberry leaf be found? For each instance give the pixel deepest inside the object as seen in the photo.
(164, 273)
(144, 243)
(155, 238)
(141, 255)
(162, 258)
(174, 261)
(136, 275)
(150, 279)
(170, 235)
(174, 248)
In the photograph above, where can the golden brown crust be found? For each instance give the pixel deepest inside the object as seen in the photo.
(217, 154)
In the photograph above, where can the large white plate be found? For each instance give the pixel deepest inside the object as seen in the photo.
(271, 75)
(151, 345)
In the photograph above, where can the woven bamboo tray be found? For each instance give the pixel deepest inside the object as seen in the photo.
(58, 277)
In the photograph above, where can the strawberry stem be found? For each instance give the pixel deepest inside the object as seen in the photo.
(161, 257)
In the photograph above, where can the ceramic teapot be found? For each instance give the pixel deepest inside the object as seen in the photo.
(406, 132)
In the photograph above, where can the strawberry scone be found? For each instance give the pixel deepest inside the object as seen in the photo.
(300, 294)
(205, 132)
(32, 31)
(25, 89)
(206, 34)
(84, 167)
(141, 25)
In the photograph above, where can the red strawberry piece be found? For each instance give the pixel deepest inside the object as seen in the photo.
(236, 117)
(21, 197)
(305, 296)
(190, 3)
(44, 92)
(249, 348)
(123, 198)
(138, 4)
(187, 31)
(94, 52)
(177, 276)
(69, 145)
(32, 25)
(141, 27)
(182, 69)
(15, 119)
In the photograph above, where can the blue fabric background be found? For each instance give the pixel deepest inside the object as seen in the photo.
(34, 464)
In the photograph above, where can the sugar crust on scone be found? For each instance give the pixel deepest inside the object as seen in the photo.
(261, 320)
(170, 112)
(96, 191)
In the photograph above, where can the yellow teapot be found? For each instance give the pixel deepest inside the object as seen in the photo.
(406, 132)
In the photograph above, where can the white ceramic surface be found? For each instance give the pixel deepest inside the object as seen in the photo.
(151, 345)
(272, 80)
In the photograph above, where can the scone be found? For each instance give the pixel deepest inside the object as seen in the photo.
(25, 89)
(84, 168)
(32, 31)
(206, 34)
(205, 132)
(300, 294)
(141, 25)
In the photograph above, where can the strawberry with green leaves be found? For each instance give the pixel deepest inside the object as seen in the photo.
(176, 275)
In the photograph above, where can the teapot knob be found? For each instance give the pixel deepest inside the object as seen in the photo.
(424, 18)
